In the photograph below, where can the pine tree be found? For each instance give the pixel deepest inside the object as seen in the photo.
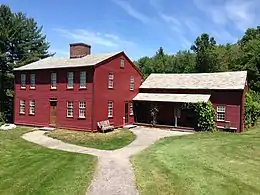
(21, 42)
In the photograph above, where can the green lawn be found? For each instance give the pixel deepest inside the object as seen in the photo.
(204, 163)
(29, 169)
(106, 141)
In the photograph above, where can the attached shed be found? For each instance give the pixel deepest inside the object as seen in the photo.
(226, 90)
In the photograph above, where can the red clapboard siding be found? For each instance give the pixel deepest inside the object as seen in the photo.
(97, 90)
(119, 94)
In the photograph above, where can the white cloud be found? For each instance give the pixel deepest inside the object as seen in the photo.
(185, 43)
(94, 38)
(242, 13)
(170, 19)
(157, 4)
(173, 23)
(58, 52)
(133, 12)
(223, 35)
(193, 25)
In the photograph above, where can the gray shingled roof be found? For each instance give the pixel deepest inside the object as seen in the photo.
(161, 97)
(53, 62)
(220, 80)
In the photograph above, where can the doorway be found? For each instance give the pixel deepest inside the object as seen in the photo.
(53, 108)
(126, 112)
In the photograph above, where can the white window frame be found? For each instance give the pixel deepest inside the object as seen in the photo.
(132, 83)
(82, 109)
(70, 109)
(22, 107)
(221, 113)
(110, 108)
(122, 63)
(32, 107)
(131, 109)
(70, 80)
(110, 80)
(23, 80)
(53, 80)
(32, 81)
(83, 80)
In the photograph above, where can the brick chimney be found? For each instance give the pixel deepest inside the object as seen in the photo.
(79, 50)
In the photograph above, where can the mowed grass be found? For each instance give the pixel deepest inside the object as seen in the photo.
(29, 169)
(203, 163)
(106, 141)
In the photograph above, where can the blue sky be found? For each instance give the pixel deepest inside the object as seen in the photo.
(139, 27)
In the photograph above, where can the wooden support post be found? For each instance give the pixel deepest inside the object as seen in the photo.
(175, 117)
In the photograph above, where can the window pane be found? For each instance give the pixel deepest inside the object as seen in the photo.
(22, 106)
(132, 83)
(53, 80)
(32, 80)
(110, 80)
(82, 109)
(83, 79)
(111, 75)
(110, 108)
(32, 106)
(131, 108)
(220, 108)
(32, 103)
(70, 108)
(220, 116)
(122, 63)
(70, 79)
(82, 104)
(23, 80)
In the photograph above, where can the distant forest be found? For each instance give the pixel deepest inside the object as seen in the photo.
(205, 55)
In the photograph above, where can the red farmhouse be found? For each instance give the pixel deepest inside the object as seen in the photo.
(226, 90)
(78, 92)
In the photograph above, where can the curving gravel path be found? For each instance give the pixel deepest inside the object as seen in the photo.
(115, 174)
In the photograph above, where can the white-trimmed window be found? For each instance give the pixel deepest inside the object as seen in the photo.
(23, 80)
(83, 79)
(221, 113)
(122, 63)
(32, 81)
(111, 80)
(53, 80)
(110, 109)
(132, 83)
(22, 106)
(70, 80)
(32, 107)
(131, 108)
(69, 109)
(82, 109)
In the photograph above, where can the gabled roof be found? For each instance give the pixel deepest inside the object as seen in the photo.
(53, 62)
(163, 97)
(220, 80)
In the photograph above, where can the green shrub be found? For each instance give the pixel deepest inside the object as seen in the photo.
(252, 108)
(2, 121)
(205, 115)
(154, 109)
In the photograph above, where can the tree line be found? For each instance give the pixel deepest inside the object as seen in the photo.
(205, 55)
